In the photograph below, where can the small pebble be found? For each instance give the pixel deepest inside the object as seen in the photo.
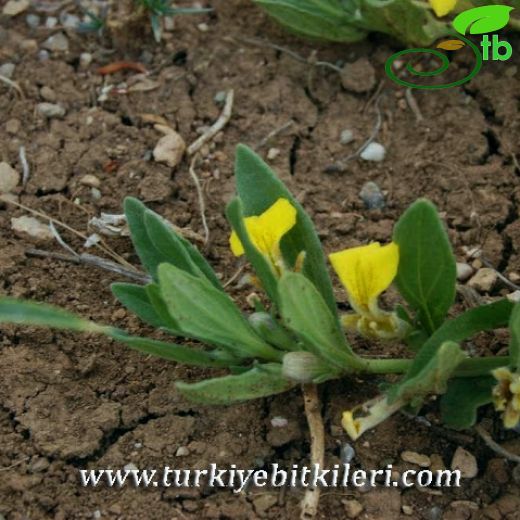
(220, 97)
(170, 149)
(56, 43)
(50, 110)
(48, 94)
(263, 502)
(33, 20)
(182, 451)
(346, 136)
(95, 194)
(407, 510)
(13, 126)
(85, 59)
(353, 508)
(51, 22)
(279, 422)
(347, 453)
(15, 7)
(465, 462)
(203, 27)
(372, 196)
(96, 514)
(484, 280)
(43, 55)
(464, 271)
(373, 152)
(7, 70)
(90, 180)
(514, 296)
(29, 45)
(130, 467)
(9, 178)
(70, 21)
(273, 153)
(434, 513)
(416, 458)
(32, 228)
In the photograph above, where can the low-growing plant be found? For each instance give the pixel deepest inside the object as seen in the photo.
(299, 337)
(409, 21)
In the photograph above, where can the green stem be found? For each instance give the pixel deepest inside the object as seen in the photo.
(468, 368)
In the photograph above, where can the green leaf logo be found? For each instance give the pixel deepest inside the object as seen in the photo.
(481, 20)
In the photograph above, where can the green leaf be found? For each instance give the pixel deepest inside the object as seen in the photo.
(258, 189)
(136, 300)
(485, 317)
(176, 250)
(514, 345)
(304, 311)
(260, 264)
(30, 313)
(427, 271)
(208, 314)
(462, 399)
(432, 378)
(156, 242)
(482, 20)
(154, 295)
(260, 381)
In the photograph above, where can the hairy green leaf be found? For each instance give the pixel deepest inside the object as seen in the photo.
(208, 314)
(29, 313)
(427, 273)
(462, 399)
(260, 381)
(305, 312)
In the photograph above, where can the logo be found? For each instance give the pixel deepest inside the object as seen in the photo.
(479, 20)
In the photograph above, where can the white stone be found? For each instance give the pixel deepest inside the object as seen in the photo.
(273, 153)
(416, 458)
(31, 227)
(51, 22)
(130, 467)
(85, 59)
(279, 422)
(466, 462)
(7, 70)
(50, 110)
(182, 451)
(9, 178)
(170, 149)
(374, 152)
(90, 180)
(57, 43)
(464, 271)
(14, 7)
(484, 279)
(514, 296)
(346, 136)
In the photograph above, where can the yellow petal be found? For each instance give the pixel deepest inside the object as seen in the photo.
(236, 246)
(366, 271)
(266, 230)
(443, 7)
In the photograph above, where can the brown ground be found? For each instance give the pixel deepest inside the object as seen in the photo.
(69, 401)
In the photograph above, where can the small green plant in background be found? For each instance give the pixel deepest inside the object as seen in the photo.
(412, 22)
(300, 337)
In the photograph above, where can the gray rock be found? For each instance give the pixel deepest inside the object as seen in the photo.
(51, 22)
(372, 196)
(32, 20)
(484, 279)
(56, 43)
(7, 70)
(170, 149)
(70, 21)
(465, 462)
(346, 136)
(32, 228)
(375, 152)
(43, 55)
(48, 94)
(416, 458)
(15, 7)
(50, 110)
(464, 271)
(9, 178)
(347, 453)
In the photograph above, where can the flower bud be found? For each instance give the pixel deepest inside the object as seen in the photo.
(304, 367)
(271, 331)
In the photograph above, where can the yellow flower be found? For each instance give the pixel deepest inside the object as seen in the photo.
(506, 396)
(366, 272)
(443, 7)
(266, 230)
(368, 415)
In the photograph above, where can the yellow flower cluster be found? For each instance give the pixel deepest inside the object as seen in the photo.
(506, 396)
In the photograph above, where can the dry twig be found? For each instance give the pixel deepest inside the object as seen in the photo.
(310, 501)
(26, 172)
(200, 195)
(486, 437)
(12, 84)
(96, 261)
(216, 127)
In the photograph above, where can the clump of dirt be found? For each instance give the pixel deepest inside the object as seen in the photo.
(73, 401)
